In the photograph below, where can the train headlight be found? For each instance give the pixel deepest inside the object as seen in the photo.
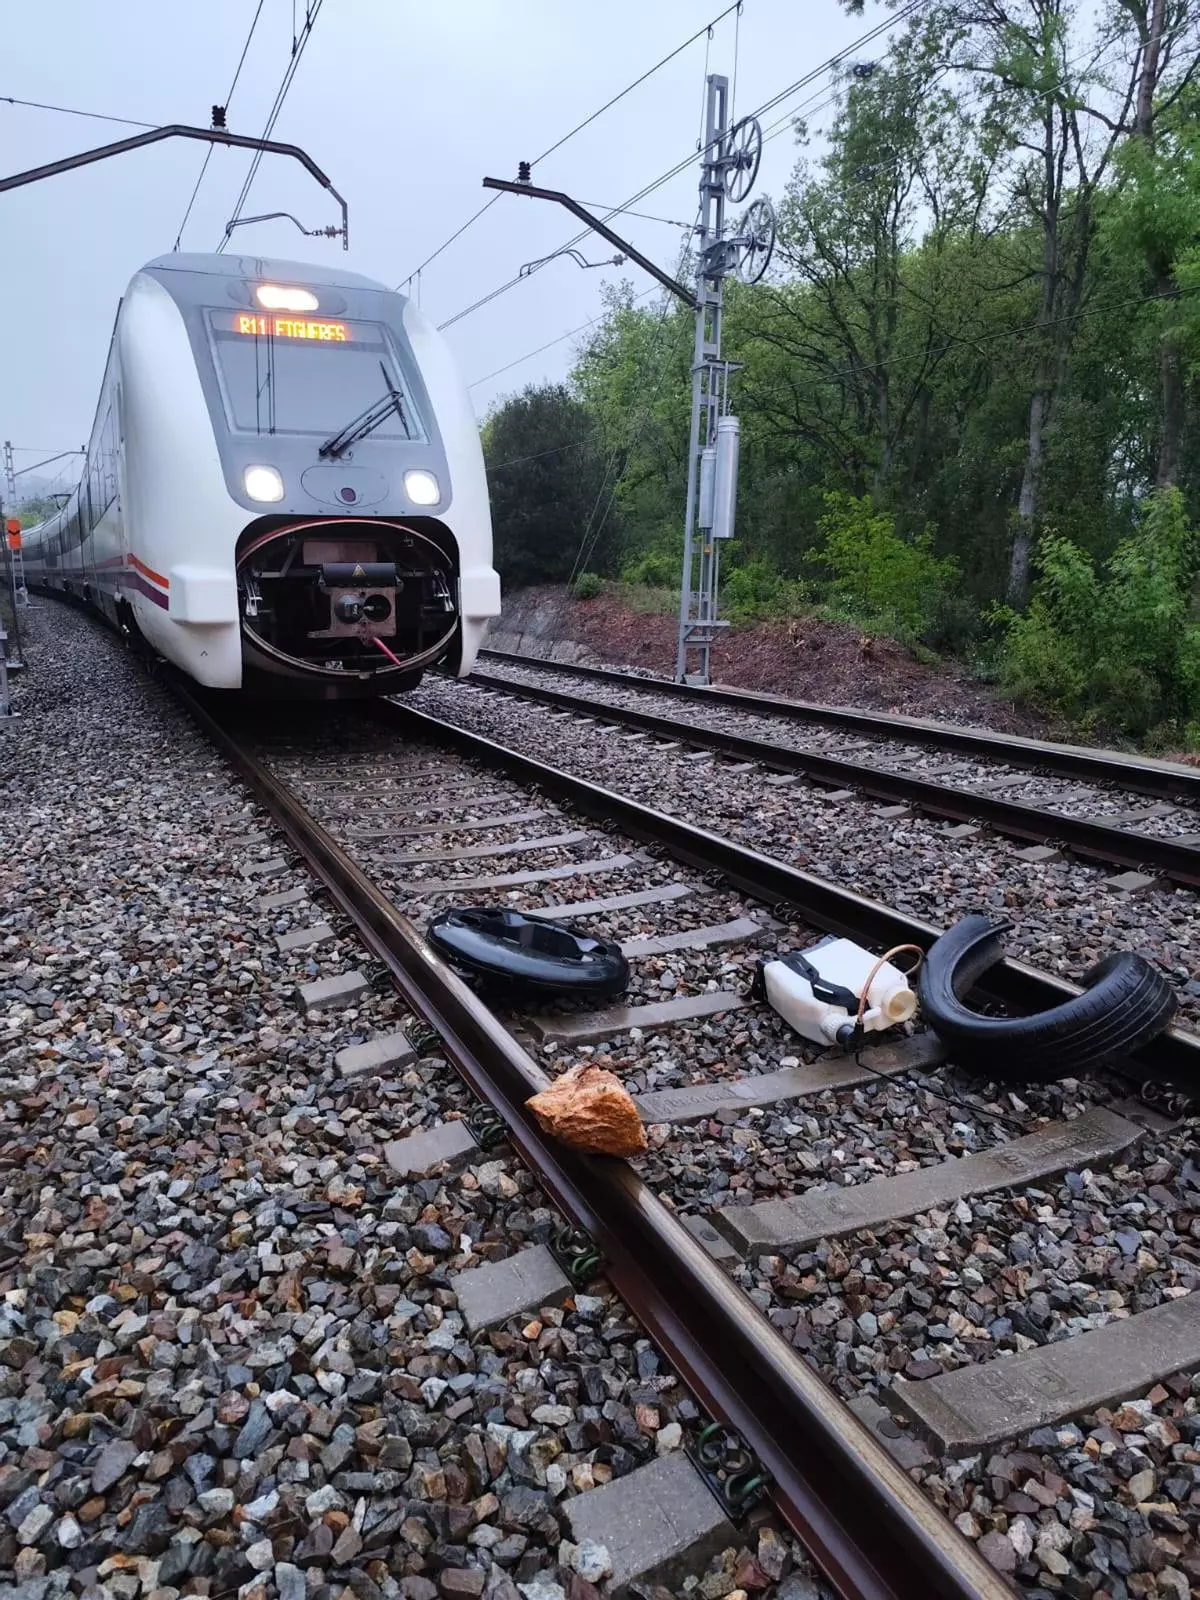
(422, 488)
(263, 483)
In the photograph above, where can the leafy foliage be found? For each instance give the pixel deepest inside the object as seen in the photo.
(879, 577)
(1114, 648)
(757, 590)
(657, 569)
(979, 345)
(546, 479)
(30, 512)
(587, 586)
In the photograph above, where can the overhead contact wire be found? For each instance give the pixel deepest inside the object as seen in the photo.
(769, 105)
(74, 111)
(550, 343)
(310, 17)
(228, 97)
(579, 127)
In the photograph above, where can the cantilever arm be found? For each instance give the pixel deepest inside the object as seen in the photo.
(180, 130)
(605, 232)
(329, 232)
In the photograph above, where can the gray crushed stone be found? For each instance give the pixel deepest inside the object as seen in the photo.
(230, 1358)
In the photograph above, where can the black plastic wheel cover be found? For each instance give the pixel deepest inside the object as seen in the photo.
(551, 957)
(1125, 1003)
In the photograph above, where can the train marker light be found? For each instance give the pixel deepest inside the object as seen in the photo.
(274, 297)
(263, 483)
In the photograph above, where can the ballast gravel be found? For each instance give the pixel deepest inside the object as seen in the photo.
(1065, 918)
(230, 1357)
(1070, 796)
(991, 1277)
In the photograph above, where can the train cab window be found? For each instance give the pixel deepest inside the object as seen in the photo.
(294, 375)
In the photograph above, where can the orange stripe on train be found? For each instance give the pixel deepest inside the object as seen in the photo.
(149, 572)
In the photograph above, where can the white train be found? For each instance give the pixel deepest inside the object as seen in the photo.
(284, 484)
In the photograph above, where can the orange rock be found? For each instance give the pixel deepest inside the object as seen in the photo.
(647, 1418)
(592, 1110)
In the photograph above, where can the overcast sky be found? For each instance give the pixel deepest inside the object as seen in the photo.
(406, 106)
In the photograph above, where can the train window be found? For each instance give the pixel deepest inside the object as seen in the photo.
(314, 378)
(110, 455)
(94, 492)
(102, 469)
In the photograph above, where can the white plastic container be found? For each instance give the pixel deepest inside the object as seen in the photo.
(818, 991)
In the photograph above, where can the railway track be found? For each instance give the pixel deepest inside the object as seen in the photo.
(1139, 774)
(396, 829)
(1024, 789)
(1066, 914)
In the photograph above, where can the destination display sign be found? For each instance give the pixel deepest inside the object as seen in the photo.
(260, 325)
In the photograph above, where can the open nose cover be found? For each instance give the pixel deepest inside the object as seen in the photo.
(552, 957)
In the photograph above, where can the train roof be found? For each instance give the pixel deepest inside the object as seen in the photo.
(235, 265)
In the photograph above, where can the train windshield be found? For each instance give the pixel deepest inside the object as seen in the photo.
(287, 374)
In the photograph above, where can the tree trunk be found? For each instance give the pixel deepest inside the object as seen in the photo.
(1050, 211)
(1170, 366)
(1148, 77)
(1021, 559)
(882, 428)
(883, 469)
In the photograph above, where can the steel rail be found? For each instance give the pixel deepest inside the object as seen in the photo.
(867, 1526)
(1174, 1057)
(1099, 840)
(1164, 780)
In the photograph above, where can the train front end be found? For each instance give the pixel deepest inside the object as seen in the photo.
(353, 534)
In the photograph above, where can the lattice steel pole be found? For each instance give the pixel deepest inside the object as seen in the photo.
(697, 591)
(729, 166)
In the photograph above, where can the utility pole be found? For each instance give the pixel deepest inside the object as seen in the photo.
(18, 595)
(729, 166)
(16, 588)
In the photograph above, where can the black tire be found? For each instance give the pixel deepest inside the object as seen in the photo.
(546, 957)
(1126, 1003)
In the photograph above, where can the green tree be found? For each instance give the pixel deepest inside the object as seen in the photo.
(634, 377)
(862, 334)
(1116, 647)
(1168, 32)
(30, 512)
(879, 577)
(551, 510)
(965, 334)
(1154, 225)
(1064, 91)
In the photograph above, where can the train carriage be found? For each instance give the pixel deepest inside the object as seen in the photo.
(284, 485)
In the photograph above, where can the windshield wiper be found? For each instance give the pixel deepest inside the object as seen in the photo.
(367, 421)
